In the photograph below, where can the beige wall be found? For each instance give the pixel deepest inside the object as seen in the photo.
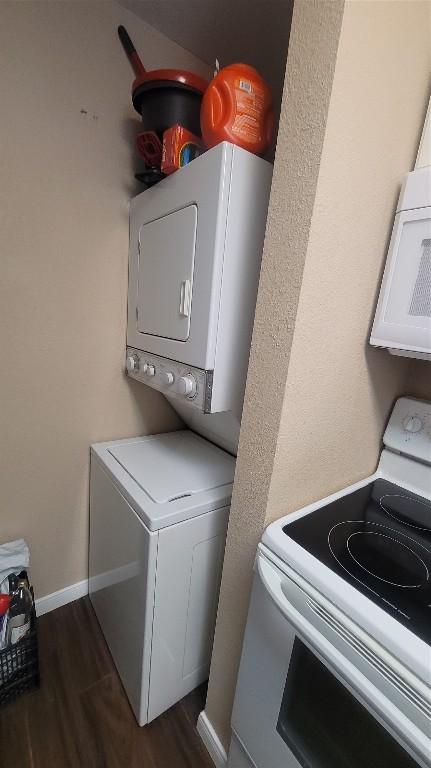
(339, 389)
(324, 431)
(419, 381)
(307, 89)
(66, 178)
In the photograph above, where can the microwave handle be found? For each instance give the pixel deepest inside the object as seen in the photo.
(273, 580)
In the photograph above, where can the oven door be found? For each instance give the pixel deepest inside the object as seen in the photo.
(297, 703)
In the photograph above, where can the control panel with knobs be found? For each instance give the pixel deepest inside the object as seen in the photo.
(409, 429)
(175, 380)
(187, 385)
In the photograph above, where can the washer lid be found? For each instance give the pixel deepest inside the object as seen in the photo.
(174, 465)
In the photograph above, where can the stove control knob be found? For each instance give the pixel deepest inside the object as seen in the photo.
(132, 364)
(167, 378)
(412, 424)
(150, 370)
(187, 385)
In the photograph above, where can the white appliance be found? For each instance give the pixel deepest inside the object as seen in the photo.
(194, 260)
(403, 316)
(336, 662)
(158, 515)
(402, 321)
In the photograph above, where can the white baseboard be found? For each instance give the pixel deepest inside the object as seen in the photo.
(62, 597)
(212, 742)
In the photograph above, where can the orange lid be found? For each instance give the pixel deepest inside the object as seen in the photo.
(175, 75)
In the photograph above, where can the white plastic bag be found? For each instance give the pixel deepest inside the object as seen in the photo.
(14, 557)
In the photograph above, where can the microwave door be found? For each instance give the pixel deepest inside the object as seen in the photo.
(403, 315)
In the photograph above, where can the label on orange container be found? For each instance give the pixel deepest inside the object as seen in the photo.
(249, 99)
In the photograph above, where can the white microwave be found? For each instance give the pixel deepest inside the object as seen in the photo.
(402, 322)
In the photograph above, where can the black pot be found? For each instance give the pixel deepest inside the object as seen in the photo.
(164, 103)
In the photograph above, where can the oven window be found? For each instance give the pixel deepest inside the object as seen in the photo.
(326, 727)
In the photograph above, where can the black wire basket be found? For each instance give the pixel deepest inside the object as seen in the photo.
(19, 666)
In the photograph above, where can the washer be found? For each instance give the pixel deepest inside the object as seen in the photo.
(159, 509)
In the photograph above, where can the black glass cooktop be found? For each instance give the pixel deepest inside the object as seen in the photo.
(379, 540)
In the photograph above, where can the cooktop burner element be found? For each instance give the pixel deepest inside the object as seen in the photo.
(388, 556)
(407, 510)
(377, 538)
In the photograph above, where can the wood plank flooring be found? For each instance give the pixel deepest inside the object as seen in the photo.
(80, 717)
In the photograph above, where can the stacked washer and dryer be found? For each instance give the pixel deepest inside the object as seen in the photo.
(159, 505)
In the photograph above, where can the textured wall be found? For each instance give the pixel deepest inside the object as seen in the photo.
(340, 390)
(419, 381)
(311, 60)
(317, 395)
(66, 133)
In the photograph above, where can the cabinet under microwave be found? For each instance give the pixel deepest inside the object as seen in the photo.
(196, 241)
(403, 317)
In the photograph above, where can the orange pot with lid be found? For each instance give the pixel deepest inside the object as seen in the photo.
(237, 107)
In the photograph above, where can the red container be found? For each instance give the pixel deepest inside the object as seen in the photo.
(180, 147)
(237, 107)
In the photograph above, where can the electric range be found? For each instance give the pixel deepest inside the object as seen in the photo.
(367, 548)
(336, 661)
(378, 539)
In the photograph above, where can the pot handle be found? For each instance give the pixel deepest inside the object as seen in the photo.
(130, 51)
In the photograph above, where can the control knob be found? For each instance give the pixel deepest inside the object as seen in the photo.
(412, 424)
(150, 370)
(187, 385)
(167, 378)
(132, 364)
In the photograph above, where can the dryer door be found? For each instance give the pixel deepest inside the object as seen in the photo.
(165, 274)
(176, 257)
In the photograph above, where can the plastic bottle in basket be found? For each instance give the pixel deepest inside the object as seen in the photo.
(20, 609)
(237, 107)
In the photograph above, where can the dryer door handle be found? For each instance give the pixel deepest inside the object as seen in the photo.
(185, 296)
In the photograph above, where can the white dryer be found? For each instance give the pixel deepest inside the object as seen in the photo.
(195, 249)
(158, 516)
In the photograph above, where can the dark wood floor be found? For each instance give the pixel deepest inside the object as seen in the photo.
(80, 716)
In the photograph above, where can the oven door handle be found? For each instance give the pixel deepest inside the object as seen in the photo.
(273, 580)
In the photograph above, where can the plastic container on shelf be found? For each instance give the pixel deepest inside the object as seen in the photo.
(180, 147)
(164, 97)
(237, 107)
